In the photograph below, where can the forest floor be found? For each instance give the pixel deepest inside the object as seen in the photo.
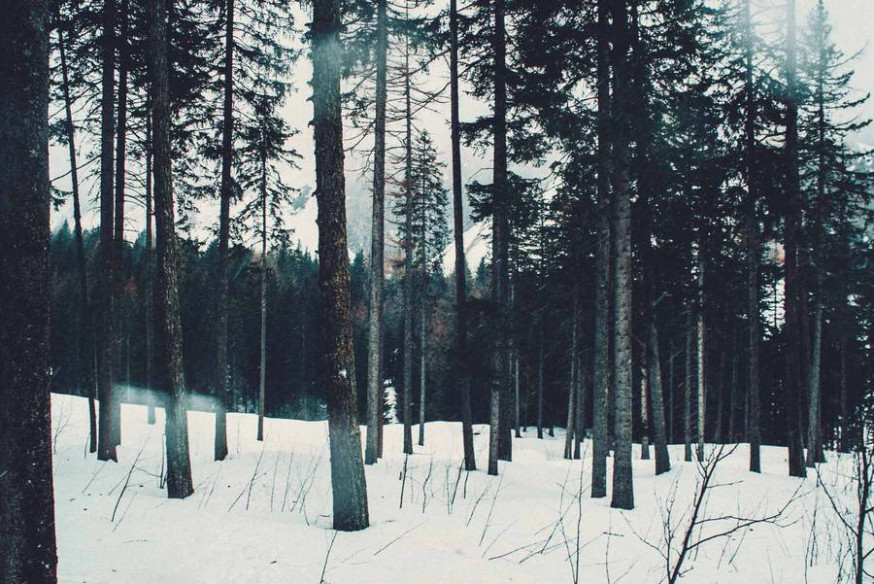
(264, 514)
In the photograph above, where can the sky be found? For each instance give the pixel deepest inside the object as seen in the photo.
(853, 27)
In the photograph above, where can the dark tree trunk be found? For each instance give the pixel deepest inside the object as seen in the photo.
(752, 252)
(687, 392)
(793, 290)
(644, 404)
(120, 179)
(601, 379)
(86, 320)
(460, 264)
(662, 457)
(500, 441)
(105, 337)
(348, 484)
(262, 370)
(571, 427)
(623, 488)
(377, 244)
(540, 379)
(224, 399)
(408, 257)
(149, 276)
(170, 375)
(27, 523)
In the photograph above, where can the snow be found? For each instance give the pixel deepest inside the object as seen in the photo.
(476, 247)
(264, 514)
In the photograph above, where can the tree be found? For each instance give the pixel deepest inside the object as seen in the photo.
(460, 263)
(27, 524)
(794, 288)
(377, 250)
(623, 489)
(427, 234)
(105, 333)
(170, 375)
(337, 362)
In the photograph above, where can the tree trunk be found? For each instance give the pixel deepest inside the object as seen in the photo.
(85, 318)
(224, 398)
(27, 523)
(603, 286)
(501, 441)
(120, 180)
(623, 488)
(570, 428)
(408, 255)
(262, 371)
(460, 264)
(644, 403)
(105, 337)
(702, 377)
(793, 238)
(348, 483)
(540, 379)
(150, 275)
(687, 392)
(517, 400)
(753, 252)
(377, 244)
(662, 457)
(170, 375)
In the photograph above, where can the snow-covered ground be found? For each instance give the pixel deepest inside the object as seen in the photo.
(264, 514)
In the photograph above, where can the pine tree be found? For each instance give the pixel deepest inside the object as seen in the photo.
(337, 367)
(170, 375)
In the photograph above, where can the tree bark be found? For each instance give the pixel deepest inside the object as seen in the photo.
(500, 445)
(687, 392)
(27, 524)
(377, 244)
(262, 370)
(224, 399)
(120, 180)
(753, 253)
(408, 254)
(170, 375)
(792, 301)
(662, 457)
(150, 275)
(105, 301)
(702, 377)
(623, 488)
(601, 379)
(460, 264)
(348, 483)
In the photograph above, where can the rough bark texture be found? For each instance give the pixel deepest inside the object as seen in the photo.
(169, 372)
(602, 268)
(105, 301)
(86, 319)
(377, 244)
(500, 441)
(753, 252)
(120, 180)
(458, 229)
(149, 291)
(662, 458)
(623, 489)
(262, 370)
(701, 394)
(408, 257)
(27, 525)
(337, 364)
(792, 303)
(687, 392)
(223, 401)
